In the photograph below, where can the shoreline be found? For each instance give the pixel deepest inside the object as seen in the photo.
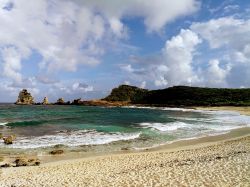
(181, 144)
(243, 110)
(177, 145)
(211, 160)
(216, 163)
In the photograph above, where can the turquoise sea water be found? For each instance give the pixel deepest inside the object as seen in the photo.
(74, 126)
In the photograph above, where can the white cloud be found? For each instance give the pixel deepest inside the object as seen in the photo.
(143, 84)
(216, 75)
(161, 81)
(178, 58)
(82, 87)
(156, 14)
(224, 63)
(175, 67)
(228, 32)
(126, 82)
(11, 63)
(71, 33)
(232, 37)
(63, 33)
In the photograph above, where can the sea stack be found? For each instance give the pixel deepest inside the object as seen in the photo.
(60, 101)
(24, 98)
(45, 101)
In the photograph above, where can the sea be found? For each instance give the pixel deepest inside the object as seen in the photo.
(109, 128)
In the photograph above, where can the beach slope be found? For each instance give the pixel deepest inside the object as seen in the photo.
(223, 163)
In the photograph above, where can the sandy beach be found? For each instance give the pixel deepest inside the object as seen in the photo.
(221, 160)
(216, 163)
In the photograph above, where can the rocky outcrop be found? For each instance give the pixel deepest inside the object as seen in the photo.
(24, 98)
(77, 102)
(45, 101)
(57, 152)
(9, 139)
(26, 162)
(60, 101)
(18, 162)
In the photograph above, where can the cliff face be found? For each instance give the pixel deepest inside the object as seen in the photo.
(24, 98)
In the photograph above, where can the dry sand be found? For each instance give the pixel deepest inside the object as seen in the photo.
(222, 160)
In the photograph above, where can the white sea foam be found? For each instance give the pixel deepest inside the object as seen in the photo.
(179, 109)
(197, 128)
(75, 138)
(165, 126)
(3, 123)
(186, 110)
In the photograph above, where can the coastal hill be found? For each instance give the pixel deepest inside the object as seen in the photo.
(181, 96)
(126, 93)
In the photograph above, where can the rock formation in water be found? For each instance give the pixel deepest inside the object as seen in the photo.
(77, 102)
(60, 101)
(45, 101)
(57, 152)
(24, 98)
(9, 139)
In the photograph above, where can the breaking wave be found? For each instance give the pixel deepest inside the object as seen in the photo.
(74, 138)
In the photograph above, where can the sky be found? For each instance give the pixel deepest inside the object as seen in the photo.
(84, 48)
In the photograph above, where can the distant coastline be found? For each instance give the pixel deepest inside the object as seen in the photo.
(177, 96)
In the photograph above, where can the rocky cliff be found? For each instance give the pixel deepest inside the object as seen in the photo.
(24, 98)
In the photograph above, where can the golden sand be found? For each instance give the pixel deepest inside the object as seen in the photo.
(225, 163)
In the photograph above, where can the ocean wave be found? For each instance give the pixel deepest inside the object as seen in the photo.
(218, 112)
(192, 127)
(75, 138)
(27, 123)
(225, 118)
(165, 126)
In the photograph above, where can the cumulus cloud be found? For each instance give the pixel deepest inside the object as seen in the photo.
(82, 87)
(178, 57)
(12, 64)
(175, 65)
(216, 75)
(225, 62)
(225, 31)
(232, 37)
(156, 14)
(67, 34)
(63, 33)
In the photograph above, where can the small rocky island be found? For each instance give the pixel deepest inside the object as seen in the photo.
(25, 98)
(45, 101)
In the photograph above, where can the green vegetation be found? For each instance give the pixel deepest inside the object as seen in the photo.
(126, 93)
(182, 96)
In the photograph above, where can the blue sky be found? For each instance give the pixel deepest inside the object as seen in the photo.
(84, 48)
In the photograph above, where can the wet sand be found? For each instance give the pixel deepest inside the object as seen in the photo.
(241, 109)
